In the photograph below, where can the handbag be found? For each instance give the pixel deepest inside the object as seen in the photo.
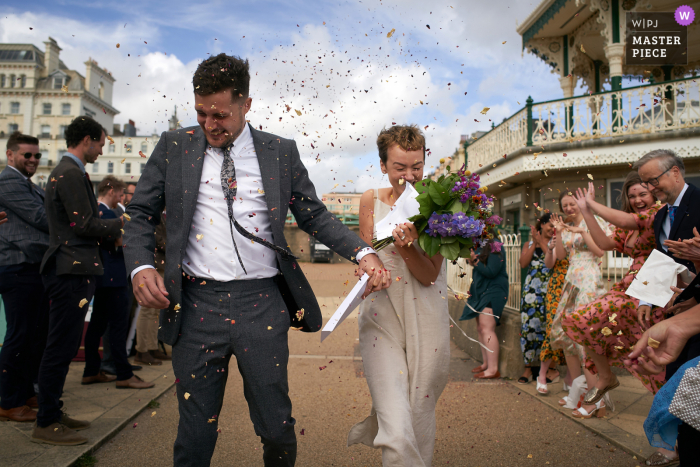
(686, 401)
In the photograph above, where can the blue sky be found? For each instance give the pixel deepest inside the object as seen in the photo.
(375, 79)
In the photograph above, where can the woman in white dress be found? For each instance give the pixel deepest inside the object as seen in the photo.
(404, 330)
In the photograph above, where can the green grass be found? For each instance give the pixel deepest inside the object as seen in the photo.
(86, 460)
(154, 404)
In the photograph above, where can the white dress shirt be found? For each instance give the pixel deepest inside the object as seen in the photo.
(209, 253)
(666, 230)
(666, 226)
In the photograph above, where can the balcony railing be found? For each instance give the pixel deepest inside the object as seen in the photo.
(647, 109)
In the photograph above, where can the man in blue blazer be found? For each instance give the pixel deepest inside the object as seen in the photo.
(23, 242)
(663, 173)
(111, 301)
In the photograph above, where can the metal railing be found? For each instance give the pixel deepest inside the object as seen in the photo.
(647, 109)
(459, 275)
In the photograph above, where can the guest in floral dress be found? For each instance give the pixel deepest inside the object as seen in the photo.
(549, 356)
(532, 305)
(583, 282)
(608, 327)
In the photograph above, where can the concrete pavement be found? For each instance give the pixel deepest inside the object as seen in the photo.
(478, 423)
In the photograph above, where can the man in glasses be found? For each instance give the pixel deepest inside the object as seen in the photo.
(23, 242)
(663, 172)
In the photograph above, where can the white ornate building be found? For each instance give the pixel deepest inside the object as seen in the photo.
(40, 96)
(624, 112)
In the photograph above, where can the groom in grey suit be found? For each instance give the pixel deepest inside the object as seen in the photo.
(231, 287)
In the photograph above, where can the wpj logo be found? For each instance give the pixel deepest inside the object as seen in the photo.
(658, 38)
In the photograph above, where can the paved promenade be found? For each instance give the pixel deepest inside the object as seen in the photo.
(479, 423)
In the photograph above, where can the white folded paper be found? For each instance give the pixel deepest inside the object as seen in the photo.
(653, 282)
(406, 206)
(351, 302)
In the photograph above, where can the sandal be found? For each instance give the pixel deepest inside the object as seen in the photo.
(542, 389)
(659, 458)
(599, 411)
(594, 394)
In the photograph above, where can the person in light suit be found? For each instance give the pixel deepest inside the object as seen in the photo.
(231, 286)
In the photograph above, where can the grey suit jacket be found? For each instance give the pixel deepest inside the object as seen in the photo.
(25, 236)
(172, 177)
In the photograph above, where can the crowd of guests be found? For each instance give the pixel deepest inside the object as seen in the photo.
(568, 316)
(60, 251)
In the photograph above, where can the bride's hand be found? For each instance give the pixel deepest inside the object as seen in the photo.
(405, 235)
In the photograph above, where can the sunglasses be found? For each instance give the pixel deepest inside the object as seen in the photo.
(28, 155)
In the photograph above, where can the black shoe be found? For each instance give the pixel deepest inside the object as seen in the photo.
(136, 367)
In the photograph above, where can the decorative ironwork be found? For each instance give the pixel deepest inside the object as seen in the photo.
(648, 109)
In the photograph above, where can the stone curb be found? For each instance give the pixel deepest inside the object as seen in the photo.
(133, 405)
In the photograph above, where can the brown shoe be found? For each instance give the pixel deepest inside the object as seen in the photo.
(134, 383)
(74, 424)
(33, 402)
(100, 377)
(18, 414)
(160, 355)
(57, 434)
(147, 359)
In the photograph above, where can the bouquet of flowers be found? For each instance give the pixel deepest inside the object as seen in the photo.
(455, 216)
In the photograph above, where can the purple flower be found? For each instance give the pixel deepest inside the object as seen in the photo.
(433, 222)
(496, 247)
(445, 227)
(441, 225)
(494, 220)
(471, 228)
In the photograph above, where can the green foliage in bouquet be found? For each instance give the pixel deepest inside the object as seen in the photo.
(455, 216)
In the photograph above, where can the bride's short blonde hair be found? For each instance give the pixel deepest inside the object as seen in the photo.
(407, 137)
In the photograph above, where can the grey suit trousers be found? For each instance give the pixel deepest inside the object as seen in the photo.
(247, 319)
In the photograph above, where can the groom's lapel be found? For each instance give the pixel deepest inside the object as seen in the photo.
(267, 152)
(194, 148)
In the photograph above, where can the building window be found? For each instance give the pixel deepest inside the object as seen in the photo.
(3, 78)
(12, 127)
(58, 82)
(102, 90)
(46, 109)
(128, 147)
(23, 81)
(62, 131)
(144, 147)
(110, 167)
(45, 131)
(143, 166)
(65, 109)
(14, 107)
(111, 147)
(13, 78)
(127, 168)
(95, 167)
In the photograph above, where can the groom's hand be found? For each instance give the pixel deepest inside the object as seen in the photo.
(379, 278)
(149, 289)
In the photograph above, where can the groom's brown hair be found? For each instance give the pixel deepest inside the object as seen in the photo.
(407, 137)
(222, 72)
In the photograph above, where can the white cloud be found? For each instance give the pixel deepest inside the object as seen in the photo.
(374, 81)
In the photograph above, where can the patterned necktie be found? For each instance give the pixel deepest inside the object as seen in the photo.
(672, 213)
(230, 187)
